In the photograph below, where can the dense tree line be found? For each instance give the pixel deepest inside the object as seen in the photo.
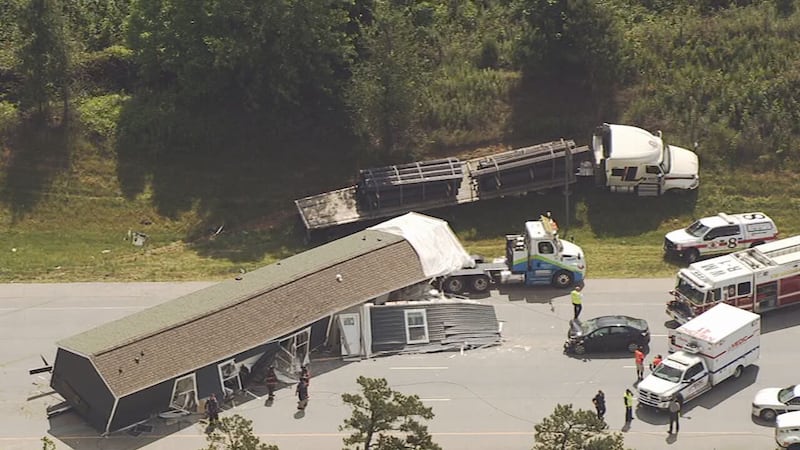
(397, 77)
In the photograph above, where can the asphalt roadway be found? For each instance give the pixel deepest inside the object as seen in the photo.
(486, 398)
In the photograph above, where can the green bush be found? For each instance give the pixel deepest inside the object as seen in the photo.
(9, 118)
(100, 115)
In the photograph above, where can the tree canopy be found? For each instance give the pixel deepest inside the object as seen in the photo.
(379, 413)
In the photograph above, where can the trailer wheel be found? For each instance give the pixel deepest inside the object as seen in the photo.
(454, 285)
(692, 256)
(738, 372)
(562, 279)
(480, 283)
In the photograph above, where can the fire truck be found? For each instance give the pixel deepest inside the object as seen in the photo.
(758, 279)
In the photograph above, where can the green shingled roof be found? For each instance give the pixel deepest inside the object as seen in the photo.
(206, 301)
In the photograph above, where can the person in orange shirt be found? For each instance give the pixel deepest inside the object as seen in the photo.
(655, 363)
(639, 355)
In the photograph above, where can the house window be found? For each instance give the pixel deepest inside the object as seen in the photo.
(184, 394)
(416, 326)
(229, 376)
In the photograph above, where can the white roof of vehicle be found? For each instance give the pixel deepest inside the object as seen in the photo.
(741, 218)
(788, 420)
(716, 270)
(438, 248)
(718, 323)
(635, 144)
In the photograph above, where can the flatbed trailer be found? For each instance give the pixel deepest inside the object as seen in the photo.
(514, 172)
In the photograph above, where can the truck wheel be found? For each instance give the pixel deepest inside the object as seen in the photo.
(562, 279)
(454, 285)
(768, 415)
(480, 283)
(692, 256)
(579, 349)
(738, 372)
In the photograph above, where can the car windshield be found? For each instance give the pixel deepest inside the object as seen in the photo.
(786, 394)
(690, 292)
(588, 326)
(668, 373)
(697, 229)
(666, 161)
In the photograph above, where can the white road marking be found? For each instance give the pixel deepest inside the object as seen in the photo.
(419, 368)
(434, 399)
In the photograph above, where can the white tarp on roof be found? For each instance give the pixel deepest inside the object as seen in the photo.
(437, 246)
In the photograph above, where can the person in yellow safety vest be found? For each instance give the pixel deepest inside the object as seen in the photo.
(577, 301)
(628, 405)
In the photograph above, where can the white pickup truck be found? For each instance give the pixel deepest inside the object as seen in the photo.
(708, 349)
(720, 234)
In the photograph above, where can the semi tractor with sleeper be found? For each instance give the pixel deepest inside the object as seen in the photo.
(621, 158)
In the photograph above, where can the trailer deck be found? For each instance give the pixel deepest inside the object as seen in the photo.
(513, 172)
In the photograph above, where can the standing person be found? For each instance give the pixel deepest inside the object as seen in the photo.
(599, 401)
(302, 394)
(577, 300)
(639, 356)
(656, 362)
(674, 414)
(212, 409)
(304, 373)
(628, 397)
(272, 382)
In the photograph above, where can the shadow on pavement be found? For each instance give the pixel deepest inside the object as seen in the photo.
(517, 293)
(778, 320)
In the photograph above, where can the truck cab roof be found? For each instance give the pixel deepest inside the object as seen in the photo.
(632, 144)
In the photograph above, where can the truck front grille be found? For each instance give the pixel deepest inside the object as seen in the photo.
(649, 398)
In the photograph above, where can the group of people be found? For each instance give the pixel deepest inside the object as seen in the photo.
(301, 391)
(675, 406)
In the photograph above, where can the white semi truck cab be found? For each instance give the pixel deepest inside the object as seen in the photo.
(632, 160)
(708, 349)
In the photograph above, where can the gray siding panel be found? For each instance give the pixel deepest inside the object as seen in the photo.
(78, 382)
(450, 325)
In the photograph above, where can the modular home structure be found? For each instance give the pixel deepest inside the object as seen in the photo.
(175, 354)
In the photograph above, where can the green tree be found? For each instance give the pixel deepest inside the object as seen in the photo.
(48, 444)
(381, 412)
(568, 429)
(388, 83)
(44, 56)
(235, 433)
(575, 38)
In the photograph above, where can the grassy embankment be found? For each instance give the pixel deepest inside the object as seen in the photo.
(75, 228)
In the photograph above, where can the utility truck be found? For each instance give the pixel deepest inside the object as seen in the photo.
(536, 257)
(758, 279)
(708, 349)
(723, 233)
(632, 160)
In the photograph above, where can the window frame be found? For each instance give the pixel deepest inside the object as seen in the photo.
(412, 312)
